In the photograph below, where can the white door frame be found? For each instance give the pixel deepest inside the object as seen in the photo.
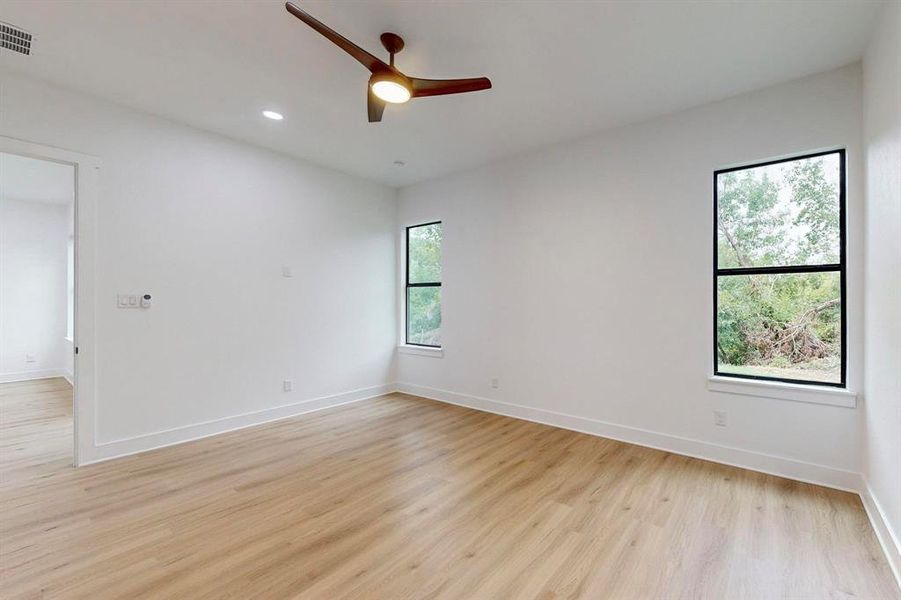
(86, 175)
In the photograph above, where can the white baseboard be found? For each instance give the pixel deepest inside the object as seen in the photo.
(67, 375)
(884, 533)
(766, 463)
(30, 375)
(179, 435)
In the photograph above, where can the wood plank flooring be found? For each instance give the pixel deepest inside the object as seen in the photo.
(400, 497)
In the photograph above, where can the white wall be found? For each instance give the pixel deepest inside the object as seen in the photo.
(580, 276)
(69, 341)
(205, 225)
(882, 402)
(32, 287)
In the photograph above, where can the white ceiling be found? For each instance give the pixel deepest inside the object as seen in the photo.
(34, 180)
(560, 69)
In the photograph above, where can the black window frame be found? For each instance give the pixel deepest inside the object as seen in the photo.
(415, 285)
(840, 268)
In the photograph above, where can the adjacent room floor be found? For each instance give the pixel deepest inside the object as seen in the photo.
(35, 431)
(400, 497)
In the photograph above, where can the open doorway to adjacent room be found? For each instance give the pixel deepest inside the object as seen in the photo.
(37, 314)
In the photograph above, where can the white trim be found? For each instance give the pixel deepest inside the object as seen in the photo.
(32, 375)
(888, 539)
(813, 394)
(179, 435)
(798, 470)
(421, 350)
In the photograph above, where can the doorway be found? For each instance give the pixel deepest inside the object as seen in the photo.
(37, 313)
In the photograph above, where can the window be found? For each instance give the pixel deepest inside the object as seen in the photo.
(423, 294)
(779, 270)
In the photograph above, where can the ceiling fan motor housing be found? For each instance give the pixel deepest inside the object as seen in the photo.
(392, 42)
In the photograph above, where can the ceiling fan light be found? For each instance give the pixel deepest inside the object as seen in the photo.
(390, 88)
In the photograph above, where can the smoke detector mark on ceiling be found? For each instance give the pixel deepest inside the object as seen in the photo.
(15, 39)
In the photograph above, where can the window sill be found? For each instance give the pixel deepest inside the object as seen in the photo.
(813, 394)
(421, 351)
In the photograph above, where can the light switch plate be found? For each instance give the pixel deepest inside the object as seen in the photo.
(128, 301)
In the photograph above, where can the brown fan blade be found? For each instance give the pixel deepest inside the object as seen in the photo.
(375, 106)
(366, 59)
(440, 87)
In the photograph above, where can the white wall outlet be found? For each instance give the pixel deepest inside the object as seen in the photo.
(122, 300)
(286, 271)
(719, 418)
(287, 386)
(495, 383)
(30, 358)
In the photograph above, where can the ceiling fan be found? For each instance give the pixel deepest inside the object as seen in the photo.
(387, 83)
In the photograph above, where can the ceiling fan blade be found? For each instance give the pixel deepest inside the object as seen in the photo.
(365, 58)
(375, 106)
(440, 87)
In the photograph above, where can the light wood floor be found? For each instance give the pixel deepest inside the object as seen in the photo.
(400, 497)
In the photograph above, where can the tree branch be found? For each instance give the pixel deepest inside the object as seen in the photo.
(742, 261)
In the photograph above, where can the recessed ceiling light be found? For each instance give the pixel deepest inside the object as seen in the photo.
(271, 114)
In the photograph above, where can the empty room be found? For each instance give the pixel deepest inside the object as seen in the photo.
(383, 299)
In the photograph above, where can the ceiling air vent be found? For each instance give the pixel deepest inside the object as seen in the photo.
(15, 39)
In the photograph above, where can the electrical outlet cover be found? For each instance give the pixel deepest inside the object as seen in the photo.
(719, 418)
